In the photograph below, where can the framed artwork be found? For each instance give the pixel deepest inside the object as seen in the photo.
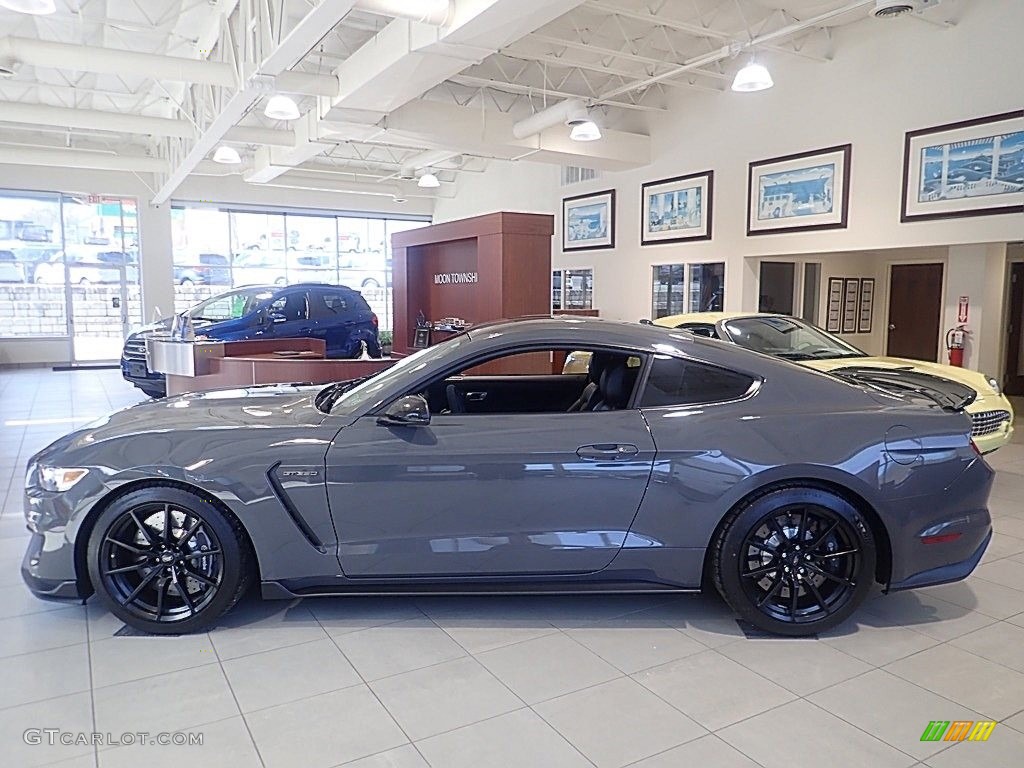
(834, 318)
(867, 304)
(799, 193)
(971, 168)
(677, 209)
(588, 221)
(851, 304)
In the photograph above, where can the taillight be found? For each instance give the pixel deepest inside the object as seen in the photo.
(941, 538)
(376, 323)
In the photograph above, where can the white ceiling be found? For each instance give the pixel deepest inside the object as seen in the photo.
(391, 89)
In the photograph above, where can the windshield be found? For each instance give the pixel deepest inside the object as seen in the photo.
(789, 338)
(231, 305)
(338, 399)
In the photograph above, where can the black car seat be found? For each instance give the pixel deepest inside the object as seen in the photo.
(588, 397)
(615, 387)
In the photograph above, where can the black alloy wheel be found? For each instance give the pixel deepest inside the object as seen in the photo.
(802, 560)
(166, 561)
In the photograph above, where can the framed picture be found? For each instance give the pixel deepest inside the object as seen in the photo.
(834, 318)
(851, 304)
(799, 193)
(677, 209)
(867, 304)
(588, 221)
(971, 168)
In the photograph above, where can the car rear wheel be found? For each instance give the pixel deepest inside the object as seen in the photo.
(166, 561)
(795, 561)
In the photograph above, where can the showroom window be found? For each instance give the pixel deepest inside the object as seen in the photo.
(217, 249)
(678, 289)
(682, 382)
(668, 291)
(69, 268)
(572, 289)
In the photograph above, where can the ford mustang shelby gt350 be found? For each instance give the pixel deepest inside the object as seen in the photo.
(476, 465)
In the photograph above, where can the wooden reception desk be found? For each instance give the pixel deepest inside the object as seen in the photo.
(201, 366)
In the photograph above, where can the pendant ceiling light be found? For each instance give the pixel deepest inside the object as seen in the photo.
(281, 108)
(226, 155)
(428, 181)
(753, 77)
(35, 7)
(584, 130)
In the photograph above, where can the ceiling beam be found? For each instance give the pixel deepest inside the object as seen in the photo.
(626, 55)
(289, 51)
(80, 158)
(699, 30)
(529, 90)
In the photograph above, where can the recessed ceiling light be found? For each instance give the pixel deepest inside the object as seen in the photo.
(428, 181)
(281, 108)
(584, 130)
(753, 77)
(226, 155)
(35, 7)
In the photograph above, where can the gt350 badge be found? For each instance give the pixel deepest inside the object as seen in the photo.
(300, 473)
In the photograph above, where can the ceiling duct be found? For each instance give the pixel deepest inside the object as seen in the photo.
(560, 113)
(890, 9)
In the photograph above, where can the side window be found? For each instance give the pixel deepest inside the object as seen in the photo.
(291, 306)
(681, 382)
(328, 304)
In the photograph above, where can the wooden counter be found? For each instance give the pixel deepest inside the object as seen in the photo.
(245, 363)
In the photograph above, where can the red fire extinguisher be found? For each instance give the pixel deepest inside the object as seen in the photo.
(955, 338)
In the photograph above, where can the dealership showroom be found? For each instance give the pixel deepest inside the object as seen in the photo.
(511, 383)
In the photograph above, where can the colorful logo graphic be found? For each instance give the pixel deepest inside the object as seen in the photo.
(958, 730)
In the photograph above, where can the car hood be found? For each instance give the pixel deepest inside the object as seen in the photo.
(976, 381)
(271, 406)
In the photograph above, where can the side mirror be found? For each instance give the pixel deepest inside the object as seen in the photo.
(408, 411)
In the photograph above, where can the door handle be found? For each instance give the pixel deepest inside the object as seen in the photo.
(475, 397)
(607, 451)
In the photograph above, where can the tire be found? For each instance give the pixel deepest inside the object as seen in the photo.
(370, 283)
(357, 353)
(280, 281)
(84, 282)
(374, 350)
(186, 282)
(154, 392)
(136, 571)
(794, 561)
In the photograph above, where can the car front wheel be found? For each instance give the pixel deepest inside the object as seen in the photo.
(167, 561)
(795, 561)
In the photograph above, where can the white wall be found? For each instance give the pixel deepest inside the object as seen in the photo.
(156, 274)
(505, 186)
(887, 77)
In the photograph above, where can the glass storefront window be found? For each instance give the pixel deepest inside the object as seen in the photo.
(31, 265)
(215, 250)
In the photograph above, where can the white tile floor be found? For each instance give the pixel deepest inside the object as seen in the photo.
(486, 682)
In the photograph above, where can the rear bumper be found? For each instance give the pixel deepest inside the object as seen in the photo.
(944, 574)
(944, 534)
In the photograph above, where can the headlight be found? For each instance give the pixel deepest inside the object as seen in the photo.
(993, 383)
(60, 479)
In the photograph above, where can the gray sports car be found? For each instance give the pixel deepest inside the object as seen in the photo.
(471, 466)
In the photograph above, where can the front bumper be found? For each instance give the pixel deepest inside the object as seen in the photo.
(990, 431)
(48, 567)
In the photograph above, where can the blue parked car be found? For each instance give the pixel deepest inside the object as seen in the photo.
(338, 315)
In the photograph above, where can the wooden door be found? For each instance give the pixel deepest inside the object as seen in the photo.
(1014, 358)
(915, 310)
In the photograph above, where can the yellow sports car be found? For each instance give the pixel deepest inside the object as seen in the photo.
(794, 339)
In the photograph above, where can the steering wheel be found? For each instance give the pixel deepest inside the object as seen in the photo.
(456, 403)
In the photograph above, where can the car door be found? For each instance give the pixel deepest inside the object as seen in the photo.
(487, 494)
(289, 315)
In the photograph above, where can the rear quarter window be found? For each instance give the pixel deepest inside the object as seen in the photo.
(682, 382)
